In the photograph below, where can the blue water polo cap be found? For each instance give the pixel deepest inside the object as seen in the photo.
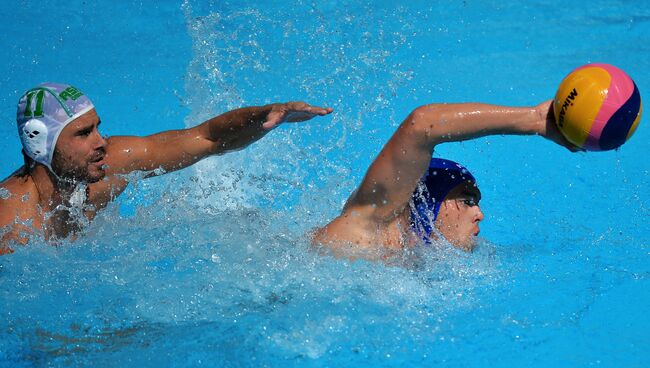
(441, 177)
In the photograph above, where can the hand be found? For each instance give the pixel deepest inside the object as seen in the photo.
(549, 130)
(292, 112)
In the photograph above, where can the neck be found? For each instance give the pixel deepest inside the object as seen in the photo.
(61, 201)
(416, 232)
(52, 189)
(408, 238)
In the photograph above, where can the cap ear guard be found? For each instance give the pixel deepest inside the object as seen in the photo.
(34, 137)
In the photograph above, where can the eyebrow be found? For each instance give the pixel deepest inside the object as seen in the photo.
(90, 125)
(87, 128)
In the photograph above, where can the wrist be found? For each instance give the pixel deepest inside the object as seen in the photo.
(536, 121)
(543, 116)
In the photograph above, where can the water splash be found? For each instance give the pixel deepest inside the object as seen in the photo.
(212, 265)
(243, 57)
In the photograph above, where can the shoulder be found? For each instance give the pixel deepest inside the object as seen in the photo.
(122, 141)
(17, 193)
(122, 152)
(18, 190)
(123, 145)
(351, 227)
(18, 205)
(125, 154)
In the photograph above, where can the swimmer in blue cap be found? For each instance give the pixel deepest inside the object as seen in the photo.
(445, 179)
(71, 171)
(406, 197)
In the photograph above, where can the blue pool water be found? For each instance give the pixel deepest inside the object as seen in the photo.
(211, 266)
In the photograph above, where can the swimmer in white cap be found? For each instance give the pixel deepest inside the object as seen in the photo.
(406, 197)
(71, 171)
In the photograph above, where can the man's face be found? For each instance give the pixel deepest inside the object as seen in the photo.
(459, 216)
(80, 150)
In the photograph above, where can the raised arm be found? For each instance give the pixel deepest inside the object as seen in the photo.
(231, 131)
(391, 179)
(176, 149)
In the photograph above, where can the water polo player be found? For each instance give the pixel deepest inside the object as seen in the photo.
(71, 171)
(406, 197)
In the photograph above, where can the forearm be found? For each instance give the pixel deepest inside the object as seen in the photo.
(438, 123)
(236, 129)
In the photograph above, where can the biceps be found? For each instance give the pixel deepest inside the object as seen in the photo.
(176, 150)
(171, 150)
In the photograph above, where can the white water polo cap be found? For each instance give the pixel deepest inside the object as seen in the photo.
(42, 114)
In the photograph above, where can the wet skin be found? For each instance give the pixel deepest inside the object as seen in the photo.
(39, 201)
(377, 213)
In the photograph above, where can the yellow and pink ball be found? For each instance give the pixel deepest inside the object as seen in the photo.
(597, 107)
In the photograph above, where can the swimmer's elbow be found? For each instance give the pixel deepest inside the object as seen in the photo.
(419, 114)
(426, 115)
(424, 122)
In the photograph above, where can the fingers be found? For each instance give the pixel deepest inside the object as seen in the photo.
(573, 148)
(324, 110)
(560, 139)
(321, 111)
(550, 130)
(306, 109)
(293, 112)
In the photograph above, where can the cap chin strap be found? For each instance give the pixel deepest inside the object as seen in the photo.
(60, 179)
(79, 194)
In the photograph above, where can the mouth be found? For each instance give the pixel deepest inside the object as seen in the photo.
(98, 161)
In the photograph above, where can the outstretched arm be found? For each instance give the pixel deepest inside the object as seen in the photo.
(387, 187)
(176, 149)
(231, 131)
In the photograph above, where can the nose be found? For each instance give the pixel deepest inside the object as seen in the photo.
(100, 141)
(479, 216)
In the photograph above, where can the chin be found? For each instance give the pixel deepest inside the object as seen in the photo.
(471, 245)
(467, 244)
(94, 176)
